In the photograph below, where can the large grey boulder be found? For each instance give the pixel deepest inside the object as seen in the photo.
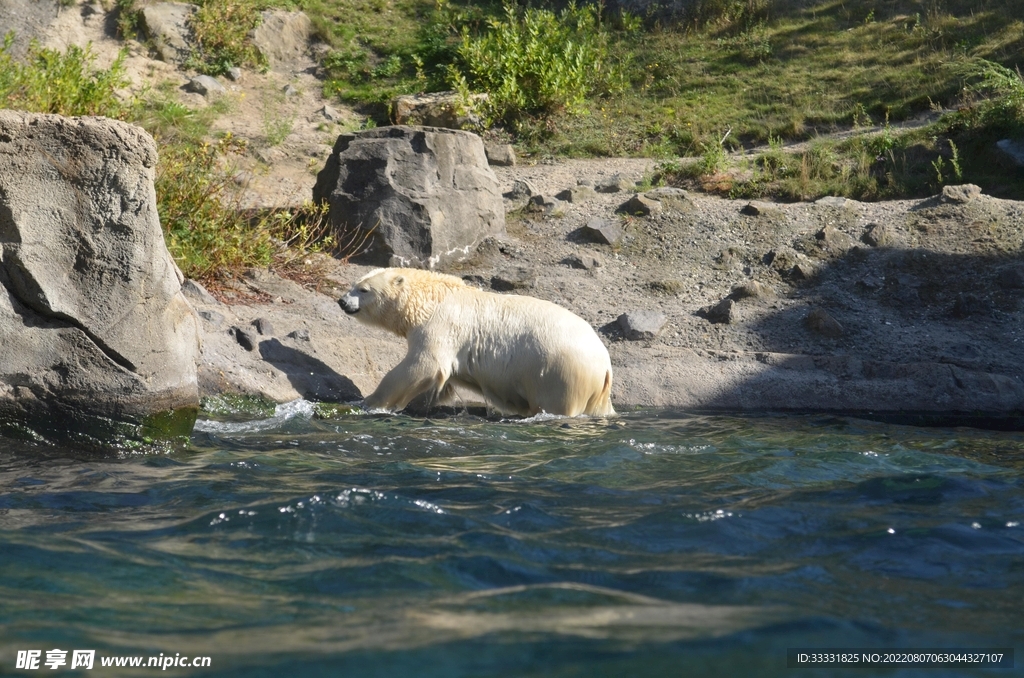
(92, 318)
(166, 26)
(425, 195)
(282, 37)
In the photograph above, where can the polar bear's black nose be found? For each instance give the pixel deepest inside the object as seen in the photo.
(349, 304)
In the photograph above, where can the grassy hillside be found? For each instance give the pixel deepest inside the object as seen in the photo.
(732, 74)
(728, 75)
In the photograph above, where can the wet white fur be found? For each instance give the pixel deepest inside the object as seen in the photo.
(524, 355)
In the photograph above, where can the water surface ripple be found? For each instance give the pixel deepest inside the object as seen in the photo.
(655, 543)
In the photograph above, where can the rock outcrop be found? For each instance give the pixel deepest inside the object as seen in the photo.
(282, 37)
(441, 109)
(165, 24)
(424, 196)
(92, 319)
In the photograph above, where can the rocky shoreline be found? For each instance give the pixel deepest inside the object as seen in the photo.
(908, 310)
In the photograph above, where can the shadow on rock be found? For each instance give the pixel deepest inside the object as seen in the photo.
(928, 330)
(899, 331)
(311, 377)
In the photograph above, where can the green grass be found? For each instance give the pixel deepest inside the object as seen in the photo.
(761, 68)
(959, 147)
(745, 70)
(586, 83)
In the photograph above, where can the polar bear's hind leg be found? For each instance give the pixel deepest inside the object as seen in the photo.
(600, 404)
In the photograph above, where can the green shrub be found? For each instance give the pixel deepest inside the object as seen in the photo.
(1001, 90)
(220, 29)
(48, 81)
(127, 19)
(210, 236)
(204, 232)
(534, 61)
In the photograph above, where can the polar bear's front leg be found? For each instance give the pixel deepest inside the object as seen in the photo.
(411, 377)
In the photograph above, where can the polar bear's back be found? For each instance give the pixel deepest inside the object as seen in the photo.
(525, 354)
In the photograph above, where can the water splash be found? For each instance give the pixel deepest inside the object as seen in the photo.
(282, 413)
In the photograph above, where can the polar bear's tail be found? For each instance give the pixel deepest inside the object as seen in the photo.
(600, 404)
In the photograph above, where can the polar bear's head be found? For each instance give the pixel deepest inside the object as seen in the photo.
(398, 299)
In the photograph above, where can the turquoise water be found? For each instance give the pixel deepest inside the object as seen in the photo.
(656, 543)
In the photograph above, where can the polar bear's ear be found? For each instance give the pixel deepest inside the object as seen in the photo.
(399, 280)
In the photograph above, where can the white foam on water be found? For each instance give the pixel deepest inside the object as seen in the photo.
(539, 417)
(282, 413)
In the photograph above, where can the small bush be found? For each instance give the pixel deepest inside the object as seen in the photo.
(209, 235)
(1002, 92)
(351, 65)
(534, 61)
(48, 81)
(127, 19)
(221, 30)
(204, 233)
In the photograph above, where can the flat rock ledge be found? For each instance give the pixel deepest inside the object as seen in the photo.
(895, 310)
(920, 392)
(319, 354)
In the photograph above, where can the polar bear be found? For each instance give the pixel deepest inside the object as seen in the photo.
(523, 355)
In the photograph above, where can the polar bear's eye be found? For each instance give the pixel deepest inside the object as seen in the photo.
(364, 290)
